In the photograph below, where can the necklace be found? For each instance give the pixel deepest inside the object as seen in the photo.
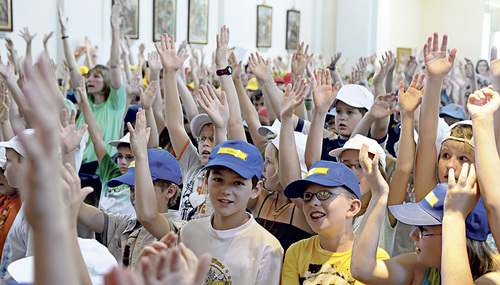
(277, 212)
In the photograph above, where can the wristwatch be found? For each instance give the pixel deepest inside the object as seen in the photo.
(226, 71)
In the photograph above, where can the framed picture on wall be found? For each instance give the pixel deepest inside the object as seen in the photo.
(264, 26)
(130, 13)
(198, 21)
(164, 18)
(292, 29)
(6, 15)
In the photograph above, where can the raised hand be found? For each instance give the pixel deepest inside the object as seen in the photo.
(63, 21)
(484, 102)
(469, 69)
(217, 111)
(323, 94)
(361, 65)
(139, 136)
(25, 34)
(300, 59)
(372, 173)
(82, 93)
(436, 63)
(384, 68)
(235, 65)
(47, 37)
(495, 64)
(381, 107)
(411, 99)
(462, 194)
(70, 134)
(259, 67)
(293, 98)
(148, 96)
(221, 51)
(169, 58)
(154, 62)
(116, 20)
(410, 67)
(335, 59)
(4, 105)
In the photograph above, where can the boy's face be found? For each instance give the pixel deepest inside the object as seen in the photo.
(428, 241)
(124, 157)
(5, 188)
(206, 142)
(229, 193)
(12, 167)
(162, 198)
(329, 217)
(347, 119)
(452, 156)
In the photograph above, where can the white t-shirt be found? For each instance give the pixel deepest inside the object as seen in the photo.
(248, 254)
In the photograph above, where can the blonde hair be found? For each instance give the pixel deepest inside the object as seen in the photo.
(482, 258)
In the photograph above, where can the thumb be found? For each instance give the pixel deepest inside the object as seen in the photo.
(86, 191)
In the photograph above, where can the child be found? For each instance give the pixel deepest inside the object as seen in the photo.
(434, 242)
(331, 196)
(242, 251)
(124, 236)
(10, 202)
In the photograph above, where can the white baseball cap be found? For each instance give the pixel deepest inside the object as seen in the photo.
(356, 96)
(356, 143)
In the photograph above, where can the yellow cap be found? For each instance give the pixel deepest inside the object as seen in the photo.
(252, 84)
(190, 85)
(145, 82)
(83, 69)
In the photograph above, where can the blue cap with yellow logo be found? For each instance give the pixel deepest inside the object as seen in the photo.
(429, 212)
(239, 156)
(162, 165)
(325, 173)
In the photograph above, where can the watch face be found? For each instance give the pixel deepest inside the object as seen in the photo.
(229, 69)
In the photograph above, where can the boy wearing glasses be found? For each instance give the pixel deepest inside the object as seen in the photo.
(331, 196)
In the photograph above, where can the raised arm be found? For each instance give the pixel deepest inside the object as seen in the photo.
(174, 117)
(364, 264)
(249, 112)
(408, 103)
(147, 101)
(186, 98)
(461, 198)
(45, 41)
(25, 34)
(333, 70)
(145, 198)
(289, 168)
(300, 59)
(495, 70)
(380, 126)
(217, 110)
(323, 98)
(380, 111)
(235, 129)
(154, 75)
(437, 66)
(7, 131)
(482, 105)
(114, 59)
(389, 79)
(68, 52)
(94, 129)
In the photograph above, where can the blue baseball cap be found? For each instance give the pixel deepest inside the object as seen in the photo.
(325, 173)
(453, 110)
(429, 212)
(162, 165)
(239, 156)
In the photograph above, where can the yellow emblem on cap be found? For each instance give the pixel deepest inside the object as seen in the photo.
(132, 164)
(232, 151)
(431, 199)
(318, 170)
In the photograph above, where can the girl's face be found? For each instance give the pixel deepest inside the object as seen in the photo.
(271, 182)
(95, 82)
(452, 156)
(124, 157)
(428, 243)
(482, 67)
(347, 119)
(350, 158)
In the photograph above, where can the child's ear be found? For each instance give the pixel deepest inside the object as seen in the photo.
(354, 208)
(170, 192)
(256, 190)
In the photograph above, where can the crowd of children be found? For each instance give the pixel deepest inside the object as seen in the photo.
(169, 175)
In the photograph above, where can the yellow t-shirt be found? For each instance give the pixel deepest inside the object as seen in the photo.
(307, 263)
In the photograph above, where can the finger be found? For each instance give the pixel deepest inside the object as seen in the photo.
(451, 178)
(493, 54)
(462, 178)
(453, 54)
(202, 269)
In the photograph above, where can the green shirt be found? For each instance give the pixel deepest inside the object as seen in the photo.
(109, 116)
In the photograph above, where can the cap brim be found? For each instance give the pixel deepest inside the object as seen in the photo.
(238, 168)
(266, 130)
(298, 187)
(412, 214)
(127, 178)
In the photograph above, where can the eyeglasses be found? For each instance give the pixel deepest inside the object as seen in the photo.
(127, 157)
(321, 195)
(203, 139)
(353, 166)
(421, 233)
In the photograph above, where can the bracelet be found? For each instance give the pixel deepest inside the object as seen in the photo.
(64, 37)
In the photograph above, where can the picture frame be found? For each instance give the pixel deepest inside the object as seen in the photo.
(198, 21)
(6, 16)
(130, 13)
(264, 26)
(164, 18)
(292, 29)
